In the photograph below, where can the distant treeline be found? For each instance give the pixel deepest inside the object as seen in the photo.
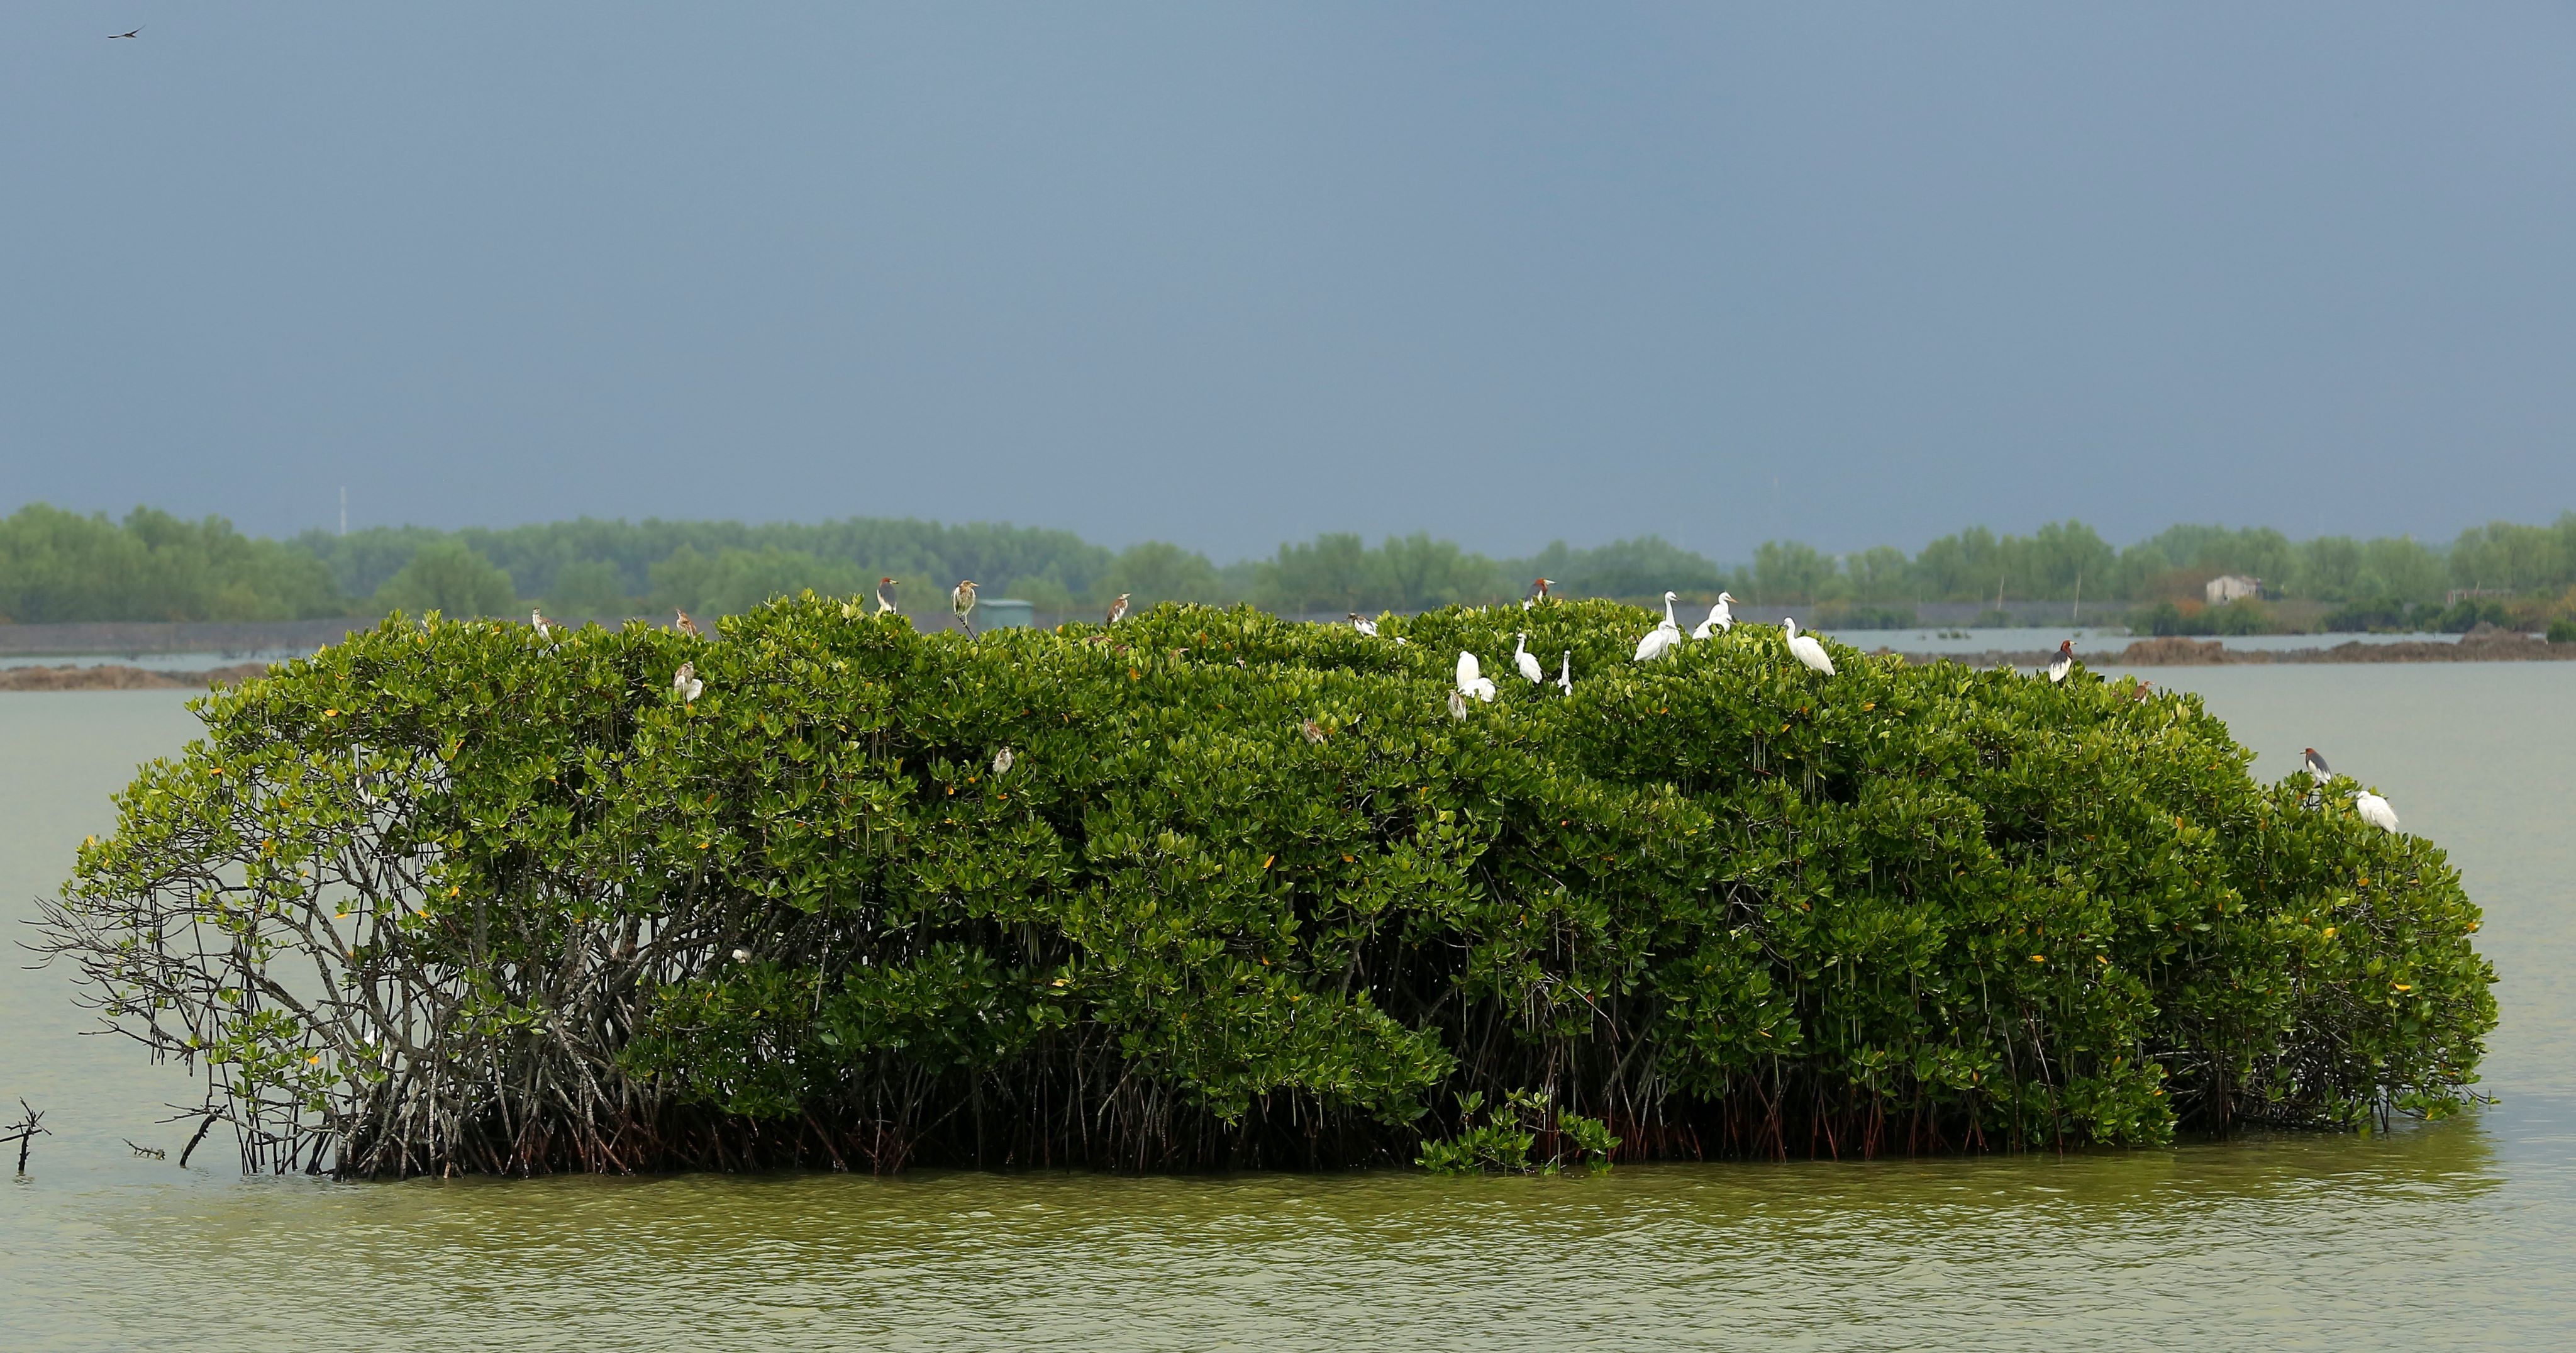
(59, 566)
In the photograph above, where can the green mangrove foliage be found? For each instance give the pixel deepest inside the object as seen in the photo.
(1211, 887)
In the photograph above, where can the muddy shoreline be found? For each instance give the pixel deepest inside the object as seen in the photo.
(2177, 651)
(2170, 651)
(117, 677)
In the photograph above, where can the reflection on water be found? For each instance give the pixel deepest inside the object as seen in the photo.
(2450, 1235)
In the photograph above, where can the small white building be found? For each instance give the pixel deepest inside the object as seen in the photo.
(2231, 586)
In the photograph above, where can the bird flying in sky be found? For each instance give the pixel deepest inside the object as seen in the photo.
(135, 34)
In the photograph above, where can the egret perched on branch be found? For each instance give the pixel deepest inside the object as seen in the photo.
(1117, 610)
(1527, 661)
(1537, 592)
(1565, 673)
(1472, 679)
(684, 624)
(686, 682)
(1660, 640)
(1805, 649)
(2063, 663)
(2315, 764)
(2375, 811)
(538, 620)
(1720, 619)
(885, 598)
(1367, 627)
(961, 598)
(1002, 762)
(1457, 705)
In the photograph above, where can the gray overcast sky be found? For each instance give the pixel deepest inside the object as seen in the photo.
(1230, 275)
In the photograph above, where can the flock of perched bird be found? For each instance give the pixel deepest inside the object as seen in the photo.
(1472, 683)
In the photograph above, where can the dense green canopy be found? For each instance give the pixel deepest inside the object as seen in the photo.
(1244, 890)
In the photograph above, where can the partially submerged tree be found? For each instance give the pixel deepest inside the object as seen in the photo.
(448, 897)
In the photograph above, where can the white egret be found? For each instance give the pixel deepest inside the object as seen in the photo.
(686, 682)
(1565, 673)
(2063, 663)
(1805, 649)
(2375, 811)
(1472, 679)
(1720, 619)
(742, 956)
(1527, 661)
(1364, 626)
(1660, 640)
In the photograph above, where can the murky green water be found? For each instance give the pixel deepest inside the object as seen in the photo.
(2458, 1235)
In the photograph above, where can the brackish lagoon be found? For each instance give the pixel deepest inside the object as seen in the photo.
(2452, 1235)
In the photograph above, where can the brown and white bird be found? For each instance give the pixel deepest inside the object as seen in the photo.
(1002, 762)
(1117, 610)
(1314, 731)
(537, 619)
(686, 682)
(684, 624)
(885, 598)
(1367, 627)
(961, 598)
(2063, 663)
(1537, 592)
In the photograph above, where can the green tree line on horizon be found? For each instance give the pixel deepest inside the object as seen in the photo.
(57, 565)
